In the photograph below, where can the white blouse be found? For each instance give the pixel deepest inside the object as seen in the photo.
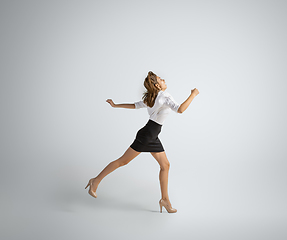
(164, 102)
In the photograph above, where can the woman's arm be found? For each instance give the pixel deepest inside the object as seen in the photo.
(125, 105)
(186, 103)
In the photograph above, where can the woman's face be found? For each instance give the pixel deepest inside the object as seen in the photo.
(161, 83)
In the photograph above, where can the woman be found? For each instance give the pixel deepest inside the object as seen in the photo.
(158, 103)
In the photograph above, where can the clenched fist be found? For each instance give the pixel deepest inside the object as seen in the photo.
(194, 91)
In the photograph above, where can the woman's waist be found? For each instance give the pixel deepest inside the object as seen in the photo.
(153, 123)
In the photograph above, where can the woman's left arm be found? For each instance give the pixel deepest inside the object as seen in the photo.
(124, 105)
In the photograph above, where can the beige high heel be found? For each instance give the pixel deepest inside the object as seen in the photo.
(169, 209)
(90, 191)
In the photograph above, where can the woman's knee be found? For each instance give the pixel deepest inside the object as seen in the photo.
(122, 161)
(165, 165)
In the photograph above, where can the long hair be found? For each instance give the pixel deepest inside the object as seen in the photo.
(151, 90)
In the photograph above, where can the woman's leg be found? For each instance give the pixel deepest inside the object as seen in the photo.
(129, 155)
(163, 174)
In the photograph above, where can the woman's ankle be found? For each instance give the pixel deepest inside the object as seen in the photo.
(97, 180)
(165, 199)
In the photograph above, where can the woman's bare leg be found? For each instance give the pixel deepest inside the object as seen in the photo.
(163, 174)
(129, 155)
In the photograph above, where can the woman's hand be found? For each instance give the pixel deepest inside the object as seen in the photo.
(194, 92)
(110, 101)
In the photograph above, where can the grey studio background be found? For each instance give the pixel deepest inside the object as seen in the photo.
(61, 60)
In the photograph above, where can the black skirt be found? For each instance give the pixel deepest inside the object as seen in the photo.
(147, 138)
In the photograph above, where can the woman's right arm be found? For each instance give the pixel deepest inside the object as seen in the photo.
(186, 103)
(124, 105)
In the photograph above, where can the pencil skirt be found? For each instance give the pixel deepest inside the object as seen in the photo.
(147, 138)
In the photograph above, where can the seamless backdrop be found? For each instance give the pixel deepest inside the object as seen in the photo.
(60, 61)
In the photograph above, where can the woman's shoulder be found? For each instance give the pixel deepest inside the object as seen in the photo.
(162, 96)
(165, 94)
(166, 97)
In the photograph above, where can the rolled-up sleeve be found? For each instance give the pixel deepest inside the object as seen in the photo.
(170, 102)
(140, 104)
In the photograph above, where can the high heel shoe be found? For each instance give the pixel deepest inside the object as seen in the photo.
(169, 209)
(90, 191)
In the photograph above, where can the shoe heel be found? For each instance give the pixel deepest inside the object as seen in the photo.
(87, 185)
(160, 207)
